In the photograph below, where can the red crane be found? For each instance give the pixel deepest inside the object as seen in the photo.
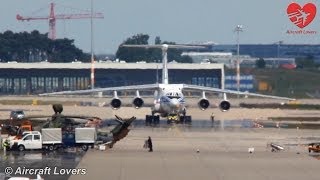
(52, 19)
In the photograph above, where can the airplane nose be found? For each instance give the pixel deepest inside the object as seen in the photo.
(175, 103)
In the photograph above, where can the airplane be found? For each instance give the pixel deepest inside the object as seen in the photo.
(169, 99)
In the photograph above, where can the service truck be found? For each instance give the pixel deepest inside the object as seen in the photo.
(54, 138)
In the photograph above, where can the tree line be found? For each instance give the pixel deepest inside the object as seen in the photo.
(134, 54)
(35, 47)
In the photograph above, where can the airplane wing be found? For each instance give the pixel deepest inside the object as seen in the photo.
(120, 88)
(218, 90)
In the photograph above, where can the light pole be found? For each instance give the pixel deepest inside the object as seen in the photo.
(238, 29)
(92, 56)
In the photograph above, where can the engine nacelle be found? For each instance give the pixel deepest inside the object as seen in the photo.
(224, 105)
(137, 102)
(203, 104)
(115, 103)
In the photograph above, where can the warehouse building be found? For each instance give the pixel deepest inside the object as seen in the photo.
(35, 78)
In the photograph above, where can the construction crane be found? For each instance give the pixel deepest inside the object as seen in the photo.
(52, 19)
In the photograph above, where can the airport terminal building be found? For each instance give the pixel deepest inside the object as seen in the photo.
(276, 50)
(35, 78)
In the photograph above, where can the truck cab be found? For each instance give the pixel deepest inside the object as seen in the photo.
(30, 140)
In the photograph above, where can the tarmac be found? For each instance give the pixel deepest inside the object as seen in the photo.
(127, 112)
(223, 150)
(223, 154)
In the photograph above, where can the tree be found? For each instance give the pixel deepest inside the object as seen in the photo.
(157, 40)
(35, 47)
(134, 54)
(148, 54)
(260, 63)
(137, 39)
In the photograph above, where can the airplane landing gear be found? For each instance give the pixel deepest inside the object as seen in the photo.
(152, 120)
(179, 119)
(185, 119)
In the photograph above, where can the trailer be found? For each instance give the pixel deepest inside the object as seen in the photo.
(80, 137)
(54, 138)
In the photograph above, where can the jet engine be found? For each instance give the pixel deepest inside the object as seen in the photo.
(224, 105)
(203, 104)
(137, 102)
(115, 102)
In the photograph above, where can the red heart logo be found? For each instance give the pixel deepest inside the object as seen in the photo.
(301, 17)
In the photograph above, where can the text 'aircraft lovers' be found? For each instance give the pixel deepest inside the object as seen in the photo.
(169, 99)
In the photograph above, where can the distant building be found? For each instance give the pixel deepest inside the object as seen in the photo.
(272, 50)
(229, 59)
(270, 62)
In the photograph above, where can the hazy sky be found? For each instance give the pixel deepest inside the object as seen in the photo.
(182, 21)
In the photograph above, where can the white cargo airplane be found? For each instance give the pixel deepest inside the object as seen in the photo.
(169, 100)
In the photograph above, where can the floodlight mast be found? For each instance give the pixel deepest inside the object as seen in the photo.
(238, 29)
(92, 53)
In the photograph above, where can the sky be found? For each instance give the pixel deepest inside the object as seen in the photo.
(181, 21)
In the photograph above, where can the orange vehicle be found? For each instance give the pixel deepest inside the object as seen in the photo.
(314, 147)
(16, 128)
(26, 126)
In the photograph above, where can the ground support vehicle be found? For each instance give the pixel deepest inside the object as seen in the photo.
(314, 147)
(54, 138)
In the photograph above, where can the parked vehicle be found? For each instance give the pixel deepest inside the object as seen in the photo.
(16, 128)
(314, 147)
(54, 138)
(17, 114)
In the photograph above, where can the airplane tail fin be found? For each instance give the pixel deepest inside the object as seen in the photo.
(164, 48)
(164, 65)
(157, 77)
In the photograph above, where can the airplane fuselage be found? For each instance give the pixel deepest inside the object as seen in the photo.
(169, 100)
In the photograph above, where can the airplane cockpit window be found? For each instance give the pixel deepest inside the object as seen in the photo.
(172, 95)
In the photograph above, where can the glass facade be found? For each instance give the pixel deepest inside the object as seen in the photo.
(41, 84)
(36, 81)
(246, 83)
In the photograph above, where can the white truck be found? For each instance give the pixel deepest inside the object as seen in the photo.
(54, 138)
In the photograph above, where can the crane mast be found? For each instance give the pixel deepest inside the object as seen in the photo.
(53, 17)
